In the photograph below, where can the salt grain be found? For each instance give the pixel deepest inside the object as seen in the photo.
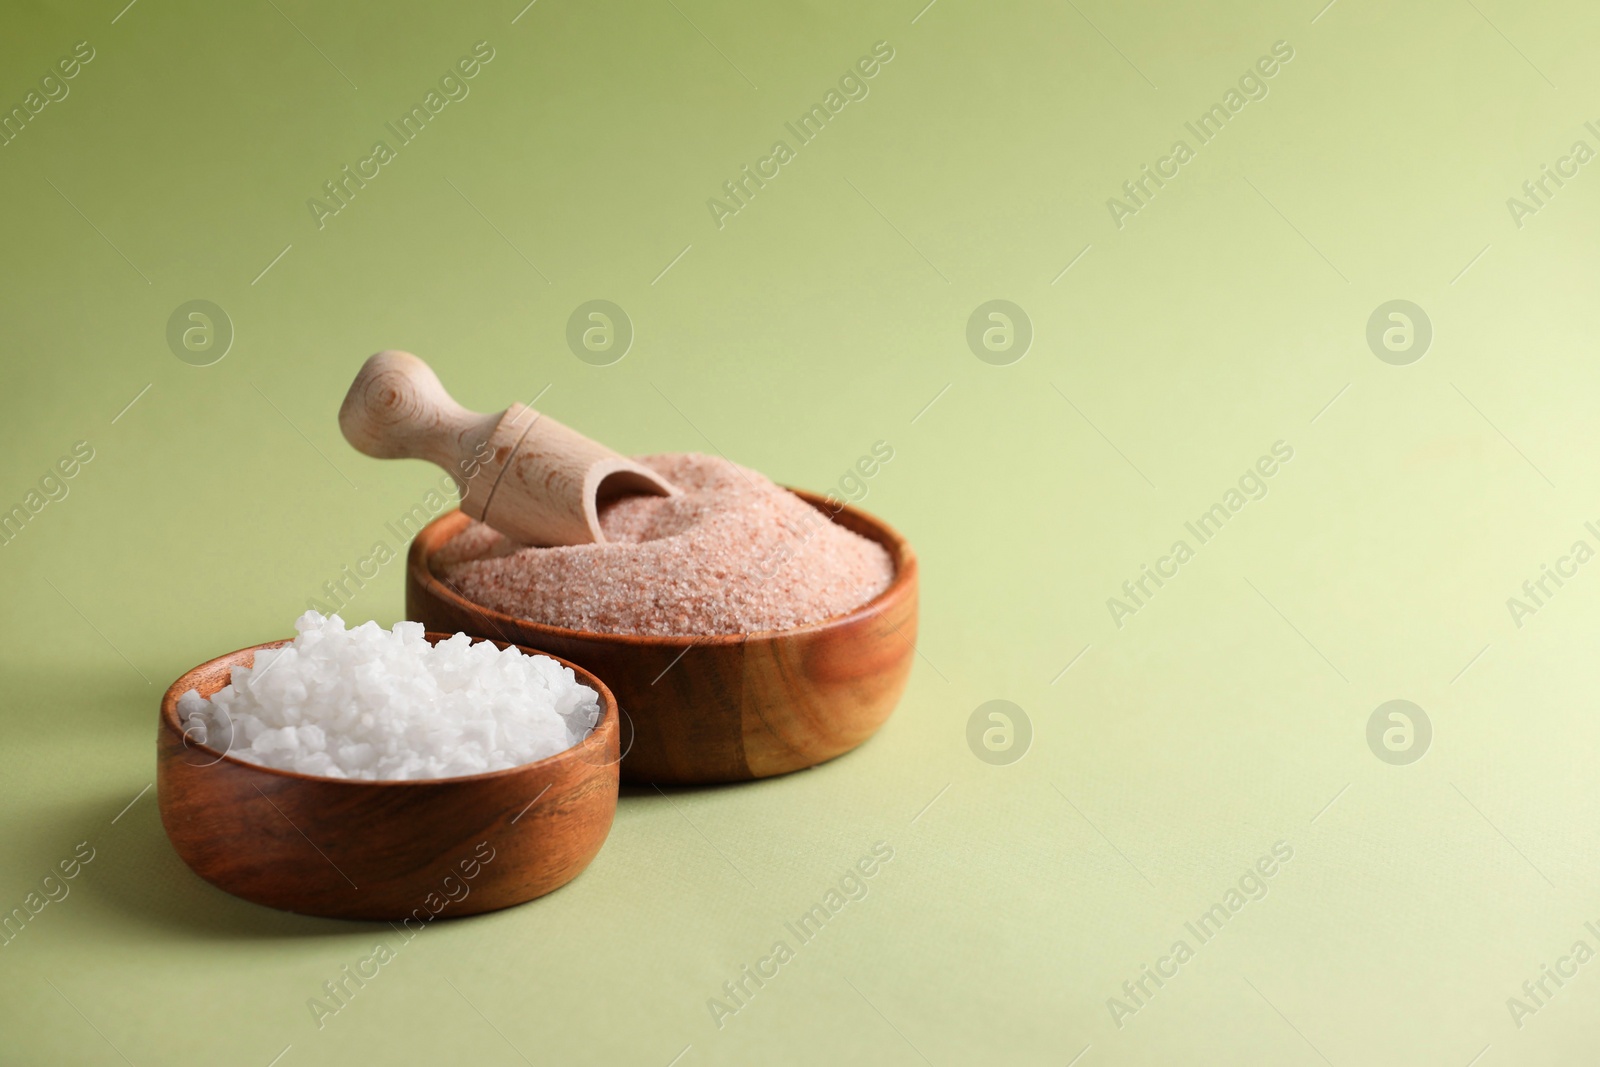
(375, 704)
(732, 554)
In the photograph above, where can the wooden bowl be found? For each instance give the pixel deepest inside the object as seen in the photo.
(406, 850)
(723, 708)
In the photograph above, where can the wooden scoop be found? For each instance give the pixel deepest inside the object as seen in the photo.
(533, 479)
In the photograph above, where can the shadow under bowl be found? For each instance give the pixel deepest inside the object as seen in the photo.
(383, 850)
(720, 708)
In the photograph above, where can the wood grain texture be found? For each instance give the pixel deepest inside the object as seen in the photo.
(532, 478)
(725, 708)
(412, 850)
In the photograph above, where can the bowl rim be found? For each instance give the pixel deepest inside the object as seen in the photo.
(901, 555)
(607, 722)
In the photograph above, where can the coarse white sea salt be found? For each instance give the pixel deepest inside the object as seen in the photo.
(375, 704)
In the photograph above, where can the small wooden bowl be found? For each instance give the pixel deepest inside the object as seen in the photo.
(724, 708)
(406, 850)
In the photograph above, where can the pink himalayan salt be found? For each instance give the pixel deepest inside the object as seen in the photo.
(732, 554)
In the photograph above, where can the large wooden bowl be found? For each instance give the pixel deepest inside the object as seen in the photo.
(410, 850)
(724, 708)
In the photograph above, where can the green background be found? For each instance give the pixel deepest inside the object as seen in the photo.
(1228, 714)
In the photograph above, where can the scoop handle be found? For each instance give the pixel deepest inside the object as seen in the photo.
(527, 475)
(398, 409)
